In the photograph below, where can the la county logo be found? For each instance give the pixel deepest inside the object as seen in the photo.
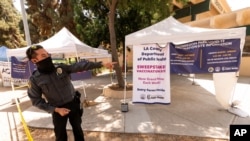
(217, 69)
(210, 69)
(143, 96)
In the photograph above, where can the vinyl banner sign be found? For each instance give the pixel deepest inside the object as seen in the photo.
(5, 73)
(81, 75)
(208, 56)
(22, 70)
(151, 77)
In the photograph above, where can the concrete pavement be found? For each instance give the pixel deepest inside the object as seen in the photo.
(193, 111)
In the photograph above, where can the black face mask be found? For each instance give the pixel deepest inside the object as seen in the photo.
(45, 66)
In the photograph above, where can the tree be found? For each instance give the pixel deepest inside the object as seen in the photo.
(91, 22)
(150, 11)
(49, 16)
(9, 26)
(112, 4)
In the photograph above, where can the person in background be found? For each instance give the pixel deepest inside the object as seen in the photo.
(60, 98)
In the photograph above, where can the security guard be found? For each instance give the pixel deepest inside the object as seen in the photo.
(61, 99)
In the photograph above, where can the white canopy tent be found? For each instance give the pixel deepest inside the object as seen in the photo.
(64, 42)
(171, 30)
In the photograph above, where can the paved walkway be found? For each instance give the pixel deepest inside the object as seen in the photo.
(11, 128)
(193, 111)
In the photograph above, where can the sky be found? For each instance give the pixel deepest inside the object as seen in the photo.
(238, 4)
(17, 4)
(234, 4)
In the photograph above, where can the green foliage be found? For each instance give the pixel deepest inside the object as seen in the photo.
(49, 16)
(87, 19)
(9, 26)
(131, 16)
(91, 19)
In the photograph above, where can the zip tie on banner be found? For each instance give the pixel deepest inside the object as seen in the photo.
(26, 129)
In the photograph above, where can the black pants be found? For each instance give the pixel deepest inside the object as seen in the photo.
(75, 120)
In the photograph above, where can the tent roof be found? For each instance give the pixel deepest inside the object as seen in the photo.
(64, 42)
(171, 30)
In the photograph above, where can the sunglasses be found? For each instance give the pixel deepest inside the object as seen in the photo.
(33, 47)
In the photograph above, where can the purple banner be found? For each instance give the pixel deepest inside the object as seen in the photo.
(208, 56)
(19, 69)
(81, 75)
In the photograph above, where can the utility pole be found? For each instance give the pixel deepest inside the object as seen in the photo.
(25, 23)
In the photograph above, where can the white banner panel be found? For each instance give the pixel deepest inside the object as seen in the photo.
(5, 73)
(151, 74)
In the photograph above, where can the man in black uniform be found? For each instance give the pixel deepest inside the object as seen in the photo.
(54, 83)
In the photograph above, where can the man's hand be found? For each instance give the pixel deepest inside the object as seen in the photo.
(109, 65)
(62, 111)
